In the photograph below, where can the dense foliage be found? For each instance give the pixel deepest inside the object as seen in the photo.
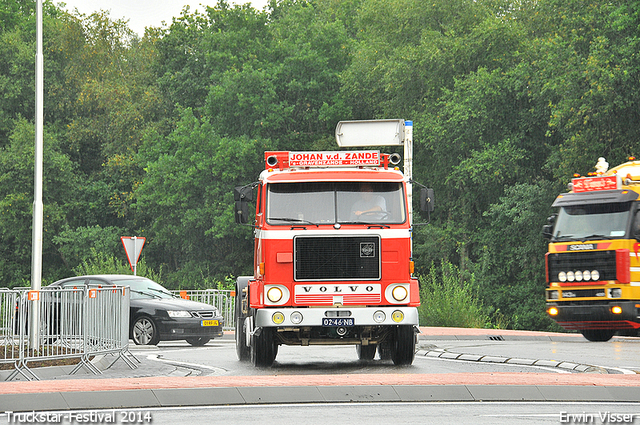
(148, 135)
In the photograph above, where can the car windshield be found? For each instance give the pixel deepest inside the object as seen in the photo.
(598, 221)
(145, 288)
(316, 203)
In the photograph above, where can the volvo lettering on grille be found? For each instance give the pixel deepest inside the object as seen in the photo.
(338, 294)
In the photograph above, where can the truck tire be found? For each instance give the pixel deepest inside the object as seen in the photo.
(403, 348)
(242, 350)
(366, 352)
(263, 348)
(598, 335)
(384, 350)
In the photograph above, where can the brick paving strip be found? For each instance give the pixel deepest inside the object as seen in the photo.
(483, 378)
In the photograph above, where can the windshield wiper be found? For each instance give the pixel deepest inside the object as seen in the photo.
(586, 238)
(295, 220)
(163, 292)
(146, 293)
(565, 238)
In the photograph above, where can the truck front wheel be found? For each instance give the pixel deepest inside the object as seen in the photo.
(242, 350)
(403, 347)
(263, 348)
(598, 335)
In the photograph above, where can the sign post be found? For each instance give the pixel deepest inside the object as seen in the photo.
(133, 247)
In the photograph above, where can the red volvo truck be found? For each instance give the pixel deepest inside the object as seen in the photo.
(332, 251)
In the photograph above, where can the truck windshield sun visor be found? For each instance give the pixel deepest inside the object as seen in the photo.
(598, 197)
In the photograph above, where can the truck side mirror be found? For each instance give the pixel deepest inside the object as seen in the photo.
(427, 199)
(547, 229)
(242, 195)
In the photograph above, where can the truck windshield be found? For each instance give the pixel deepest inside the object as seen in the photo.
(316, 203)
(598, 221)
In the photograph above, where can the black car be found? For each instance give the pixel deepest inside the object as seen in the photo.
(155, 313)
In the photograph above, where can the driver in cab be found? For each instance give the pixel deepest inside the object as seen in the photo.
(369, 207)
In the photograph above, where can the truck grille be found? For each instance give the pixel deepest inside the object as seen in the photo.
(337, 258)
(602, 261)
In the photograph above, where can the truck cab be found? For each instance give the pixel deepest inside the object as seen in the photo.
(332, 257)
(592, 267)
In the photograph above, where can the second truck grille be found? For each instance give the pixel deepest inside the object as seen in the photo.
(603, 261)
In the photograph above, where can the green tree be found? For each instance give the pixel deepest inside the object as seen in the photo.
(186, 198)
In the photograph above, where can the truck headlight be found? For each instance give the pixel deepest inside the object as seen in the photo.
(379, 316)
(397, 316)
(277, 317)
(562, 277)
(399, 293)
(296, 317)
(553, 295)
(595, 275)
(274, 294)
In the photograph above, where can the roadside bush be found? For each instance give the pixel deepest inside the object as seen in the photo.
(449, 299)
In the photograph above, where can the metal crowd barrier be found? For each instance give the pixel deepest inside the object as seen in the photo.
(223, 300)
(72, 323)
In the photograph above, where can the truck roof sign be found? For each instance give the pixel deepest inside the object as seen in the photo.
(590, 184)
(334, 159)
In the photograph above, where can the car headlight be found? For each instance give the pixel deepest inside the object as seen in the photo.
(178, 313)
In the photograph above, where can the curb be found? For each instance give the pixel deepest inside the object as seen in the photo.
(567, 366)
(226, 396)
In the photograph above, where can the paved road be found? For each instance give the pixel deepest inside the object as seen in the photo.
(452, 365)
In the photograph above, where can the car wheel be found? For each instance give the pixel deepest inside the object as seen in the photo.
(198, 341)
(145, 332)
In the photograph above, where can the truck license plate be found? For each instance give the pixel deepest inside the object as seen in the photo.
(209, 323)
(336, 321)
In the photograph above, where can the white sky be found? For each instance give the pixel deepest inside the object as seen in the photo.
(147, 13)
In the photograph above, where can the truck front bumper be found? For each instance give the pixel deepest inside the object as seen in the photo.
(292, 317)
(596, 316)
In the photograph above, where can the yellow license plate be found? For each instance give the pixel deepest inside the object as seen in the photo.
(209, 323)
